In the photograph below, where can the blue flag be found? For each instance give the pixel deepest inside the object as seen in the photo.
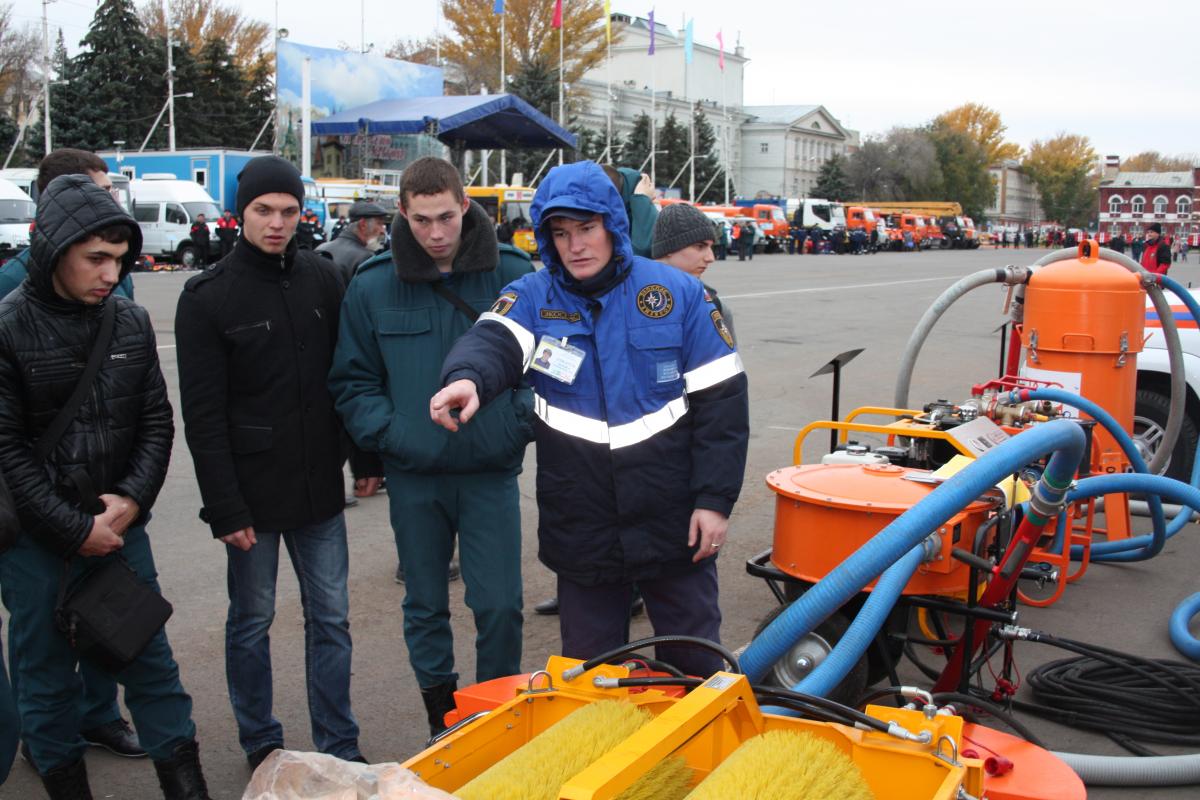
(687, 43)
(498, 7)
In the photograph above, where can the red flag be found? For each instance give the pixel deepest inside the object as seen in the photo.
(721, 45)
(556, 22)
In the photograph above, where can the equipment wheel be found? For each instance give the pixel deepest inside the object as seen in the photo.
(1150, 423)
(805, 655)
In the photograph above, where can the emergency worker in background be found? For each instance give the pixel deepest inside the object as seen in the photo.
(200, 238)
(227, 231)
(642, 420)
(1156, 257)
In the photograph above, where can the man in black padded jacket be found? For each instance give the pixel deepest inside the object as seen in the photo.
(120, 440)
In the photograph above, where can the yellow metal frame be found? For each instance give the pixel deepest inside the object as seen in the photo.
(900, 427)
(703, 727)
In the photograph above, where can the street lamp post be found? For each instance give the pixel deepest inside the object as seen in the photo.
(170, 102)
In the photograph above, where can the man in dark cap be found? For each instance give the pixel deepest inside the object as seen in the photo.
(359, 240)
(255, 337)
(683, 238)
(1156, 257)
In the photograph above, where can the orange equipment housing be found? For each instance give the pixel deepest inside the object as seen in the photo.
(908, 222)
(1084, 326)
(824, 512)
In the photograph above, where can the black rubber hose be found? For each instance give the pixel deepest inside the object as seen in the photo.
(631, 647)
(941, 698)
(1128, 698)
(816, 707)
(660, 666)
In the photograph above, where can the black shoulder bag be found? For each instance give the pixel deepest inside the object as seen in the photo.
(107, 614)
(453, 298)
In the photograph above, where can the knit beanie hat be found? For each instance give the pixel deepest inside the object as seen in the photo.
(268, 175)
(678, 226)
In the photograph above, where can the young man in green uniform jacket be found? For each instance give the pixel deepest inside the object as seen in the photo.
(401, 315)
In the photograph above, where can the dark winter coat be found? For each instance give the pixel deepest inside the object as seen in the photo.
(640, 210)
(396, 331)
(347, 252)
(255, 337)
(121, 436)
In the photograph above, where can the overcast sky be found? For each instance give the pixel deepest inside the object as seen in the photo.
(1125, 74)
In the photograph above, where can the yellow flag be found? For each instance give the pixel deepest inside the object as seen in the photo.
(607, 22)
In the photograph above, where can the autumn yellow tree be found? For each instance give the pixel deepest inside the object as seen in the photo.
(197, 22)
(983, 125)
(1063, 168)
(1154, 161)
(473, 44)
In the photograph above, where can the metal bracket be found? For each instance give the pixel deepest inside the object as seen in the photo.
(549, 683)
(937, 752)
(1033, 345)
(1124, 349)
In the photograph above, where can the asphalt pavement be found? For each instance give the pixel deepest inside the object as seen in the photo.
(792, 314)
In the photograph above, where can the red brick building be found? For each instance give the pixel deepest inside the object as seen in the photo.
(1129, 201)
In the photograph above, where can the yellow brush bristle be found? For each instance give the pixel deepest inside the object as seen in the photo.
(666, 781)
(784, 765)
(538, 769)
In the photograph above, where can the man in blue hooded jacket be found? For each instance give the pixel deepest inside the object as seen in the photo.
(641, 420)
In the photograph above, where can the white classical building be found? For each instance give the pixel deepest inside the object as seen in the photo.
(1015, 203)
(774, 150)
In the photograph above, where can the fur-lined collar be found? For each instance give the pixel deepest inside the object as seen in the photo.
(478, 252)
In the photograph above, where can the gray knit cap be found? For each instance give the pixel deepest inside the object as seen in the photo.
(678, 226)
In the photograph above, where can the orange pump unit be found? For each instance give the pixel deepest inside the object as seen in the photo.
(1083, 328)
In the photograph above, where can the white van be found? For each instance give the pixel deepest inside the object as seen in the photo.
(165, 207)
(16, 216)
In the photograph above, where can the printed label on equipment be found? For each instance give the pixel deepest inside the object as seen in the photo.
(719, 682)
(978, 435)
(1070, 381)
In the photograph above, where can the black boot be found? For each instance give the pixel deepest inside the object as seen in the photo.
(438, 700)
(68, 783)
(180, 776)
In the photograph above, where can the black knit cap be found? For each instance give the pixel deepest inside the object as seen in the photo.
(1154, 226)
(678, 226)
(268, 175)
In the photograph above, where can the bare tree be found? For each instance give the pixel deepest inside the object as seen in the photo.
(20, 60)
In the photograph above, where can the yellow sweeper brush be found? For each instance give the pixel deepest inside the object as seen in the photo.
(785, 765)
(538, 769)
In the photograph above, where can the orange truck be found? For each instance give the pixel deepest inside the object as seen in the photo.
(908, 223)
(770, 219)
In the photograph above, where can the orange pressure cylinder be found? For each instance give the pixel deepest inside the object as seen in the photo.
(1084, 320)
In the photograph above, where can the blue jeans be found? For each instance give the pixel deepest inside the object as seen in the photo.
(321, 561)
(47, 683)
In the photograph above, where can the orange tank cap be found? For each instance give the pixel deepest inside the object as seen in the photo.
(878, 487)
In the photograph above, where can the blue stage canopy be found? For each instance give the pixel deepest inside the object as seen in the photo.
(472, 122)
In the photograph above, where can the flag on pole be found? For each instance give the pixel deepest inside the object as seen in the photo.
(721, 46)
(498, 7)
(687, 43)
(556, 22)
(607, 22)
(650, 52)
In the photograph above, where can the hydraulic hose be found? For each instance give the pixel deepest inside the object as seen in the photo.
(1154, 486)
(863, 630)
(1063, 439)
(1127, 445)
(1181, 636)
(1131, 699)
(984, 277)
(1151, 283)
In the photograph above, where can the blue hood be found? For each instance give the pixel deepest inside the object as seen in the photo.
(582, 185)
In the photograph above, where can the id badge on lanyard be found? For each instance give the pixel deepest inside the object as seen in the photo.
(556, 358)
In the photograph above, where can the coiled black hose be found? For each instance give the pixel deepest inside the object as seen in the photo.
(1129, 698)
